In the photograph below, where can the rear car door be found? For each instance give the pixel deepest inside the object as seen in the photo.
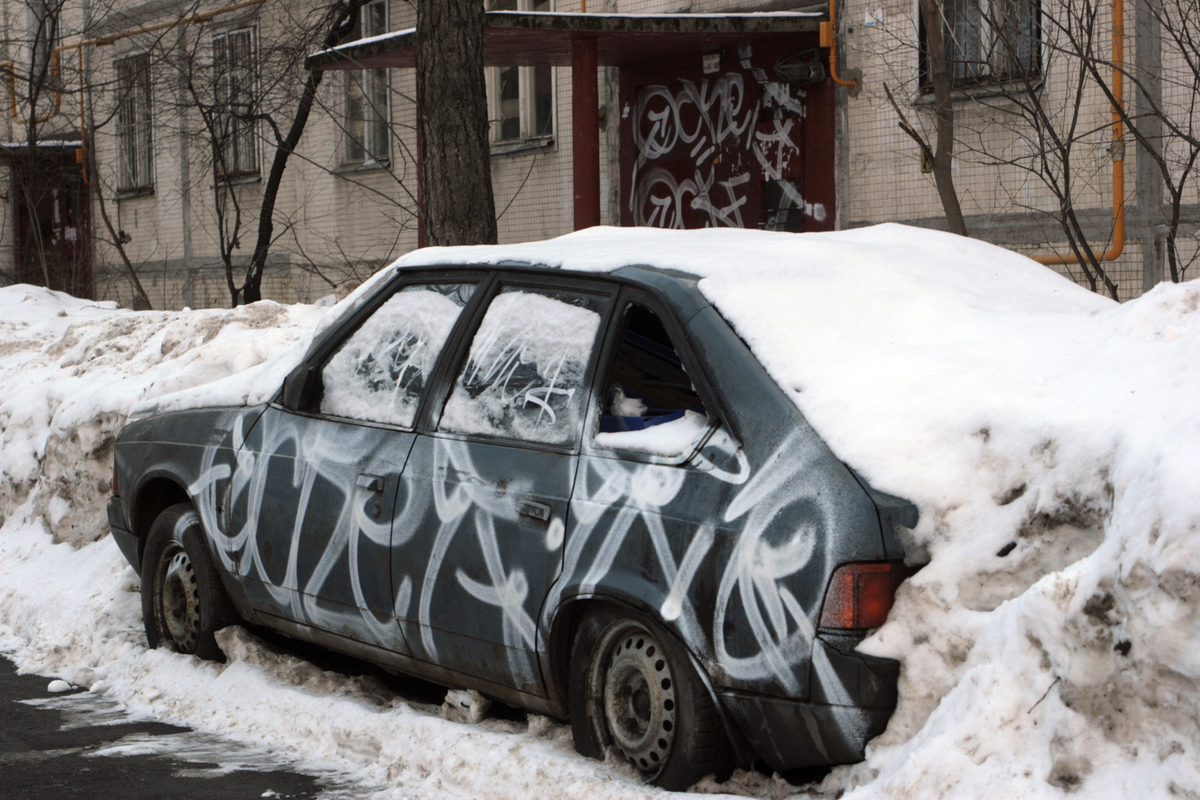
(488, 487)
(314, 492)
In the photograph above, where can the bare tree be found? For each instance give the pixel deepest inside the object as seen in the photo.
(991, 58)
(1166, 119)
(940, 155)
(244, 92)
(341, 21)
(1058, 130)
(54, 187)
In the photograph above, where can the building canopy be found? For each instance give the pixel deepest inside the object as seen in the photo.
(512, 38)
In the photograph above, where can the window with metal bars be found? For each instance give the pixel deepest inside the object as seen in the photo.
(135, 151)
(367, 135)
(234, 78)
(987, 42)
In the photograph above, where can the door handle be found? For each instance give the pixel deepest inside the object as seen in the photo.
(534, 509)
(374, 485)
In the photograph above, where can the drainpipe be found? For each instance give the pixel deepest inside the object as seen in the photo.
(1118, 149)
(828, 36)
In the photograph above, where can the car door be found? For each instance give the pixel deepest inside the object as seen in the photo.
(655, 475)
(316, 484)
(489, 484)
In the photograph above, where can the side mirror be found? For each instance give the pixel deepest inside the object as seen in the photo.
(301, 387)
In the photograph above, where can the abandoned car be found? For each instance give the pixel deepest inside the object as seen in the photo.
(574, 491)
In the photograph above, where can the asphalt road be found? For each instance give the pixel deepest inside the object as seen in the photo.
(77, 745)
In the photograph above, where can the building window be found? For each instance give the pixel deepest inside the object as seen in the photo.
(987, 41)
(521, 99)
(236, 128)
(367, 135)
(41, 24)
(134, 139)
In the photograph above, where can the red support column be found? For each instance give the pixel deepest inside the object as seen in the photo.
(585, 130)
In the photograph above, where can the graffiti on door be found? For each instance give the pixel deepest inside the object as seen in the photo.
(725, 150)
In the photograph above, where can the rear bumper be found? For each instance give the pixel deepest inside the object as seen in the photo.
(852, 699)
(121, 533)
(789, 734)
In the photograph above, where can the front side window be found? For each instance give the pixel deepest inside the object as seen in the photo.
(134, 138)
(366, 126)
(233, 74)
(524, 375)
(987, 41)
(521, 103)
(379, 374)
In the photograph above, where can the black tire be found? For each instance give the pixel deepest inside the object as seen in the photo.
(183, 600)
(633, 690)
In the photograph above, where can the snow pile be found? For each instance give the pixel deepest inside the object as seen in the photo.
(72, 370)
(1050, 437)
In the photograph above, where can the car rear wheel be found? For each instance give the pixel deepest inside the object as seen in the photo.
(183, 601)
(633, 690)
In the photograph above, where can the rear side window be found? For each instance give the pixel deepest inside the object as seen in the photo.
(651, 405)
(380, 372)
(524, 375)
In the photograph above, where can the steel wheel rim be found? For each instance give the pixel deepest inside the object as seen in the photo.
(639, 701)
(180, 600)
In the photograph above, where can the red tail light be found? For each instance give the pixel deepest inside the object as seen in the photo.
(861, 595)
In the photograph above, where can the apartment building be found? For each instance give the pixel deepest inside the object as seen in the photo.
(709, 112)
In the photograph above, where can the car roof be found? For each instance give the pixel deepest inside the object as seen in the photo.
(678, 287)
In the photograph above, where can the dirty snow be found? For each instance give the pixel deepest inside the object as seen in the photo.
(1050, 437)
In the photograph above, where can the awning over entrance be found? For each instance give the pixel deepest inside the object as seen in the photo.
(585, 42)
(513, 38)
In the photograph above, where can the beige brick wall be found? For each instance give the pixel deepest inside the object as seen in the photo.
(335, 224)
(994, 149)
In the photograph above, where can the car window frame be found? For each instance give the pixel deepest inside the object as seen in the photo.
(643, 296)
(322, 351)
(537, 280)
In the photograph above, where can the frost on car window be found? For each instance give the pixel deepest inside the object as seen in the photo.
(378, 374)
(523, 378)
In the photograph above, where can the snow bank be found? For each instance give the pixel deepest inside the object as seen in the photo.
(73, 370)
(1050, 437)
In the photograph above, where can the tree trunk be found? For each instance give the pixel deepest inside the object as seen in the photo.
(943, 104)
(345, 20)
(459, 207)
(252, 289)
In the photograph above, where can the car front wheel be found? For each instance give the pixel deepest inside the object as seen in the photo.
(183, 601)
(633, 690)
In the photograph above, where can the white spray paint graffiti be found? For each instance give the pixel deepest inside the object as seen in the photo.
(466, 506)
(240, 552)
(757, 573)
(660, 127)
(723, 118)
